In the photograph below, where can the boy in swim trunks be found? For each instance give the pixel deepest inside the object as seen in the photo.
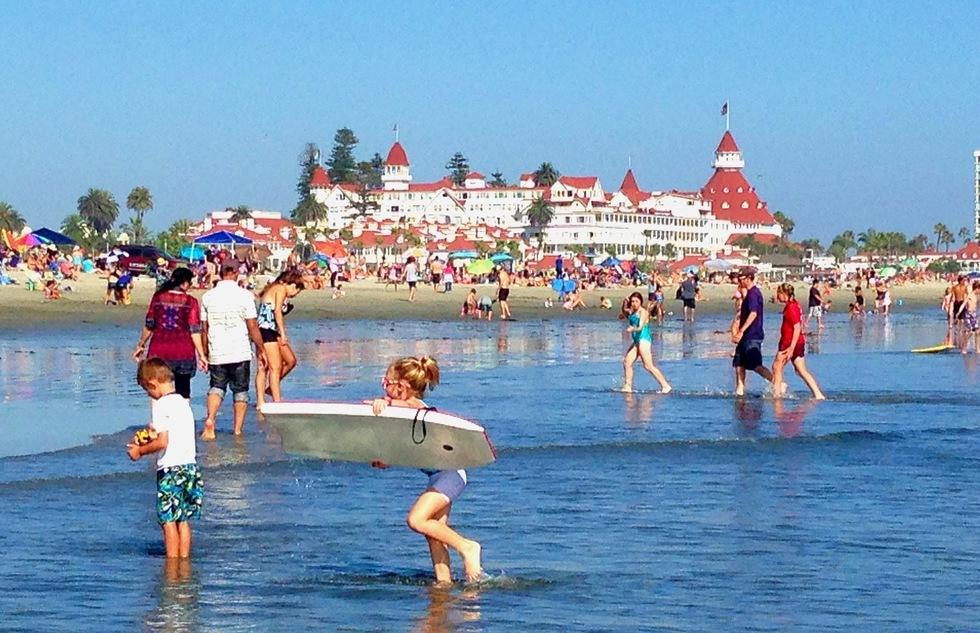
(171, 435)
(968, 313)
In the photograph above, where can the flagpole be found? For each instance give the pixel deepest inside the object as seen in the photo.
(728, 113)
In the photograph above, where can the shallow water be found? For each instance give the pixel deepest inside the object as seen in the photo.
(694, 511)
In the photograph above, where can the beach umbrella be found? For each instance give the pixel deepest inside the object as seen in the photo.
(464, 255)
(692, 269)
(30, 240)
(718, 264)
(222, 238)
(974, 275)
(610, 262)
(501, 257)
(909, 262)
(887, 271)
(331, 249)
(49, 236)
(480, 267)
(417, 253)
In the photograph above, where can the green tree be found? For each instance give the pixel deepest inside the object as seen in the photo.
(139, 201)
(966, 235)
(99, 209)
(75, 227)
(669, 251)
(497, 180)
(539, 215)
(341, 167)
(656, 250)
(459, 168)
(175, 237)
(546, 175)
(367, 174)
(784, 221)
(947, 238)
(918, 244)
(940, 230)
(240, 213)
(647, 234)
(812, 244)
(10, 218)
(309, 212)
(309, 160)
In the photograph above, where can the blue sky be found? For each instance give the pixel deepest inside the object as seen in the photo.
(849, 114)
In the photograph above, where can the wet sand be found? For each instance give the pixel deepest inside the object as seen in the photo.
(367, 299)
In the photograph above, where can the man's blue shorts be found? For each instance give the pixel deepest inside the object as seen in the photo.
(180, 492)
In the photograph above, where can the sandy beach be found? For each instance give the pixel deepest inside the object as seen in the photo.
(367, 299)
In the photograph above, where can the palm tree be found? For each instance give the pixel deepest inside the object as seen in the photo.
(539, 215)
(947, 238)
(139, 201)
(240, 213)
(670, 251)
(940, 230)
(10, 218)
(546, 175)
(99, 209)
(647, 234)
(966, 235)
(309, 212)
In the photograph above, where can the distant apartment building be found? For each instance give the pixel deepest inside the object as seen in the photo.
(586, 216)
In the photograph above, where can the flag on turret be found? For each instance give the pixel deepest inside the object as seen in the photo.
(724, 109)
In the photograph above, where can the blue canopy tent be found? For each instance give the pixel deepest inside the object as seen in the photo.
(610, 262)
(501, 257)
(49, 236)
(223, 238)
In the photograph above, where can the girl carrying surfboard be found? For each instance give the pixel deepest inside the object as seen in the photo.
(404, 385)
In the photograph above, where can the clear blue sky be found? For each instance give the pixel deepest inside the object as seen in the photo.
(849, 114)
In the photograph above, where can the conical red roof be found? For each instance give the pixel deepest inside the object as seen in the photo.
(397, 156)
(629, 182)
(727, 143)
(320, 178)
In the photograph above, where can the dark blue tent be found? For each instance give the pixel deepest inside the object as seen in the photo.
(49, 236)
(222, 238)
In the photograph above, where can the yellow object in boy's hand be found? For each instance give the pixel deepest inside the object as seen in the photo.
(144, 436)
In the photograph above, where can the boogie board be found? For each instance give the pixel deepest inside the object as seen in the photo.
(418, 438)
(933, 350)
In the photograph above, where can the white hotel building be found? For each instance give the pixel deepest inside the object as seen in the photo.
(703, 222)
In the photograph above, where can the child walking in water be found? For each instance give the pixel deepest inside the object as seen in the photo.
(642, 345)
(792, 344)
(171, 435)
(404, 384)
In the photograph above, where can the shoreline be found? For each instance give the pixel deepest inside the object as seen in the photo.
(372, 301)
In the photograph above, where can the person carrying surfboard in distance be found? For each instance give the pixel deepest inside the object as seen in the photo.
(404, 384)
(641, 346)
(792, 345)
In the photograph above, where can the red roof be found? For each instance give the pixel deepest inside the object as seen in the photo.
(474, 175)
(578, 182)
(320, 178)
(445, 183)
(631, 190)
(729, 185)
(527, 176)
(629, 182)
(727, 143)
(397, 156)
(970, 251)
(687, 260)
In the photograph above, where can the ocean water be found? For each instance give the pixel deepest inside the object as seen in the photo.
(694, 511)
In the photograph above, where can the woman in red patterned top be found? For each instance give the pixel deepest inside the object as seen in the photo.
(792, 344)
(173, 328)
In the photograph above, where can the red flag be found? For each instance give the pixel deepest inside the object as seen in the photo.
(724, 109)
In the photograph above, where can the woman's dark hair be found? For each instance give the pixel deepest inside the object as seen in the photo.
(178, 277)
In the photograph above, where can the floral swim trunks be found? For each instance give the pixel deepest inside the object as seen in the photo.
(180, 492)
(970, 317)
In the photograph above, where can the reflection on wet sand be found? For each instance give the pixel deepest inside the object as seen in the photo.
(177, 599)
(639, 408)
(448, 609)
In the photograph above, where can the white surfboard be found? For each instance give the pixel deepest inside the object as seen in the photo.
(418, 438)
